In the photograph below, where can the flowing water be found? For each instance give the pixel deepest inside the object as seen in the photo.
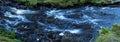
(58, 25)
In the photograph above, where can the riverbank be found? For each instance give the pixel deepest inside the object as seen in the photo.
(54, 3)
(109, 35)
(65, 3)
(8, 36)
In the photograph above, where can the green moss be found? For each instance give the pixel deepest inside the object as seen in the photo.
(7, 36)
(109, 35)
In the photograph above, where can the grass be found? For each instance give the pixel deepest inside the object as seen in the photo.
(109, 35)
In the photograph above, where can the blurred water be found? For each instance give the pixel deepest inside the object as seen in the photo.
(81, 21)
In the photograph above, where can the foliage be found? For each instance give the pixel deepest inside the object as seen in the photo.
(116, 29)
(109, 35)
(96, 1)
(10, 34)
(104, 31)
(63, 3)
(6, 39)
(7, 36)
(101, 1)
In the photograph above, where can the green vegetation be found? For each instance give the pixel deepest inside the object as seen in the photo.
(102, 1)
(62, 3)
(109, 35)
(6, 39)
(7, 36)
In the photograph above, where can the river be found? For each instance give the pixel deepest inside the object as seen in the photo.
(58, 25)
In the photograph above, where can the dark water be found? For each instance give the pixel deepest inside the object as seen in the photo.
(58, 25)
